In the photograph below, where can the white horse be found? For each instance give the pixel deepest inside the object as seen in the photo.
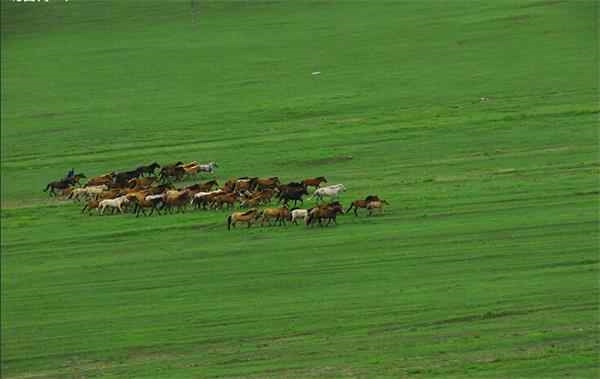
(299, 214)
(116, 203)
(330, 191)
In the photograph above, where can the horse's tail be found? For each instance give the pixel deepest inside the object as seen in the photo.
(350, 207)
(385, 202)
(47, 188)
(229, 222)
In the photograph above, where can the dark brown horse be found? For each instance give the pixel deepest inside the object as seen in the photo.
(63, 184)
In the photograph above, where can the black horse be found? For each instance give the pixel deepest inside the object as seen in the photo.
(148, 169)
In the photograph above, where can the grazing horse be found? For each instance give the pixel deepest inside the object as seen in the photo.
(250, 216)
(361, 203)
(117, 203)
(147, 169)
(329, 191)
(63, 184)
(278, 214)
(314, 182)
(328, 211)
(376, 205)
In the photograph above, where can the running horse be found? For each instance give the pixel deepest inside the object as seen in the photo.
(63, 184)
(249, 217)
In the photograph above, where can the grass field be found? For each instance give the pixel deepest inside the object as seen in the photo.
(485, 264)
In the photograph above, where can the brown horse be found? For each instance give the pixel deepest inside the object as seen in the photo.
(250, 216)
(263, 183)
(245, 184)
(141, 182)
(91, 204)
(177, 199)
(314, 182)
(105, 179)
(63, 184)
(280, 215)
(141, 203)
(361, 203)
(203, 187)
(328, 211)
(221, 199)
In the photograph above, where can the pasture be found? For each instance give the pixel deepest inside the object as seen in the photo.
(476, 121)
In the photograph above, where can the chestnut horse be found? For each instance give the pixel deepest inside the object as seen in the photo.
(250, 216)
(314, 182)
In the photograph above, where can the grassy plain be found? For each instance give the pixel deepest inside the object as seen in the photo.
(485, 265)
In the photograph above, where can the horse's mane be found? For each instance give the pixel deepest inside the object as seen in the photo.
(253, 210)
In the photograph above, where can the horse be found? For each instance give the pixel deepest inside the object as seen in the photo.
(122, 178)
(87, 191)
(105, 179)
(263, 183)
(279, 214)
(141, 182)
(177, 199)
(63, 184)
(168, 172)
(329, 191)
(246, 184)
(226, 198)
(298, 214)
(376, 205)
(250, 216)
(143, 201)
(91, 204)
(204, 198)
(361, 203)
(292, 193)
(209, 167)
(148, 169)
(328, 211)
(314, 182)
(113, 203)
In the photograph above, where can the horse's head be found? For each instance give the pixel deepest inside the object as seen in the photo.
(213, 164)
(179, 163)
(322, 178)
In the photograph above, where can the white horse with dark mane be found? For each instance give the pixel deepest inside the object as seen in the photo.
(330, 191)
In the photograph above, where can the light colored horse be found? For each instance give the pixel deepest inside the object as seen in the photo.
(329, 191)
(376, 205)
(299, 214)
(87, 192)
(209, 167)
(113, 203)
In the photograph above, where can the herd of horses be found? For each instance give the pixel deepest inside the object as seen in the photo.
(150, 189)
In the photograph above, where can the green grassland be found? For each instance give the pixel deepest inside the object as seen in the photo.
(485, 264)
